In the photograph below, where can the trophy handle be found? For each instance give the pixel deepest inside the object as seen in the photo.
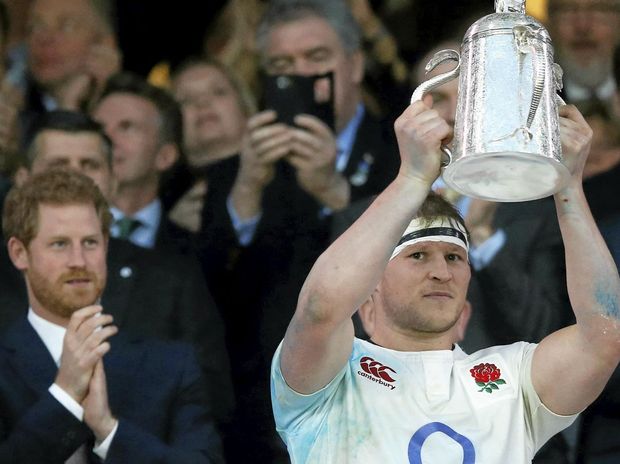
(425, 87)
(523, 36)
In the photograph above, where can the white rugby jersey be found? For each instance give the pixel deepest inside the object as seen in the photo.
(432, 407)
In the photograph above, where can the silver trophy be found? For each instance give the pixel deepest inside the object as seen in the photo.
(506, 137)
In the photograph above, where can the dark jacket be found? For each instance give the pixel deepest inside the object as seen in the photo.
(154, 390)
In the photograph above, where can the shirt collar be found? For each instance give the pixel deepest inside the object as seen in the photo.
(577, 92)
(51, 334)
(149, 217)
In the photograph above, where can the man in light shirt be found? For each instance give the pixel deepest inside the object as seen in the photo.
(145, 126)
(66, 388)
(409, 393)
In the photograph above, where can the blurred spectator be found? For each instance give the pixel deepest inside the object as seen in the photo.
(231, 40)
(585, 33)
(215, 104)
(11, 98)
(444, 97)
(285, 184)
(145, 126)
(71, 386)
(150, 294)
(292, 177)
(71, 53)
(311, 38)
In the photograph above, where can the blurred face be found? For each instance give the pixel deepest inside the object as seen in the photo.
(64, 264)
(133, 125)
(213, 118)
(60, 36)
(445, 97)
(82, 151)
(424, 288)
(310, 46)
(585, 33)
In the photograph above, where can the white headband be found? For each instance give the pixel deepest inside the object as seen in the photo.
(438, 230)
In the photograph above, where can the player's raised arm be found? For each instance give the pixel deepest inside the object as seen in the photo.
(570, 367)
(320, 335)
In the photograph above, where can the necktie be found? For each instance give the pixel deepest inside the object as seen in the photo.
(126, 225)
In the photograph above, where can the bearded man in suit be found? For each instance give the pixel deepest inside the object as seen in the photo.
(69, 391)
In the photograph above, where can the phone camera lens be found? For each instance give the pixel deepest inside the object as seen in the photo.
(283, 82)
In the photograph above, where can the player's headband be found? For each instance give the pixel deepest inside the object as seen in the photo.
(438, 230)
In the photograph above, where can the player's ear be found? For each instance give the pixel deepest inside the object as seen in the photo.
(367, 313)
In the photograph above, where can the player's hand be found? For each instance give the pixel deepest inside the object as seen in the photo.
(576, 136)
(420, 132)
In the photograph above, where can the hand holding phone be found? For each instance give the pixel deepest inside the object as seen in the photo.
(290, 94)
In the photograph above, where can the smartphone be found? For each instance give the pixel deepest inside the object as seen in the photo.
(291, 94)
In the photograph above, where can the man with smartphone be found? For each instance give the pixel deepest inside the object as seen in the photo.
(296, 169)
(305, 39)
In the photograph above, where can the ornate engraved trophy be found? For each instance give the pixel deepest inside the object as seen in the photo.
(506, 137)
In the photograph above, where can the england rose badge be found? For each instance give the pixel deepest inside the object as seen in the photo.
(487, 377)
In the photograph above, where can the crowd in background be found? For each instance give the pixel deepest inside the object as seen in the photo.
(220, 209)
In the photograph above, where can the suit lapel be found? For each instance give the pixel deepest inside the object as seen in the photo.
(363, 153)
(31, 359)
(121, 365)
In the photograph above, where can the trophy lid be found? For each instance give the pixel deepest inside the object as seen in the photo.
(508, 14)
(510, 6)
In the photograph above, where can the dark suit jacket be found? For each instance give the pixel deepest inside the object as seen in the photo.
(171, 238)
(375, 142)
(154, 389)
(521, 294)
(149, 295)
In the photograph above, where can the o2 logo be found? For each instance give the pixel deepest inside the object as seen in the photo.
(417, 442)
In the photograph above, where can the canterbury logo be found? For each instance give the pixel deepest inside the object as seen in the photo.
(376, 372)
